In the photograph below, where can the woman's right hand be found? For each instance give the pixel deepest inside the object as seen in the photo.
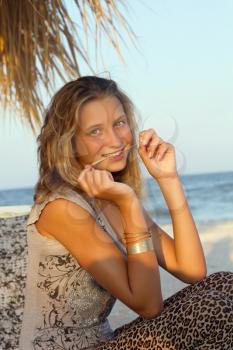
(100, 184)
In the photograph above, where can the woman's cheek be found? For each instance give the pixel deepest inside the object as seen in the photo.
(128, 135)
(82, 150)
(97, 147)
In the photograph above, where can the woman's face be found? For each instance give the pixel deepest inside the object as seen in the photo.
(103, 129)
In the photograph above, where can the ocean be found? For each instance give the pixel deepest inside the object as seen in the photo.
(210, 197)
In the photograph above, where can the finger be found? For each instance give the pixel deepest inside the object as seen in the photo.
(145, 136)
(109, 175)
(162, 150)
(100, 179)
(92, 181)
(84, 172)
(83, 184)
(87, 166)
(154, 145)
(106, 176)
(81, 175)
(95, 180)
(84, 180)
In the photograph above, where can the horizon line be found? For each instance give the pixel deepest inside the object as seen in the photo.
(147, 177)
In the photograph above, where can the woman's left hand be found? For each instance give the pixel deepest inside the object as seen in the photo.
(158, 156)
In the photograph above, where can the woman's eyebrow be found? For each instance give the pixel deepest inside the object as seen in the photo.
(100, 124)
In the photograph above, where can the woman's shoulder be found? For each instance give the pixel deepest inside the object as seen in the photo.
(52, 201)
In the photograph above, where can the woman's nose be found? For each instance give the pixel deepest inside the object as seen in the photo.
(113, 138)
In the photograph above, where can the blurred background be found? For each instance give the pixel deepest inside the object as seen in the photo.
(180, 77)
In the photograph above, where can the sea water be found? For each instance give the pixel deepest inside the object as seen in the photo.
(210, 198)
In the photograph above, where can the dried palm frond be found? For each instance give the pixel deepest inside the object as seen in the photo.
(39, 40)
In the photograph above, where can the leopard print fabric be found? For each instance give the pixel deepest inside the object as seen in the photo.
(200, 316)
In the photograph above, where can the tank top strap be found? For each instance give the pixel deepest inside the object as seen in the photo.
(69, 195)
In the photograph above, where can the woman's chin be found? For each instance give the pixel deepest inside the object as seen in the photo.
(115, 166)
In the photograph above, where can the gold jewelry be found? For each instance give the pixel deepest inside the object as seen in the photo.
(129, 240)
(132, 234)
(129, 237)
(141, 247)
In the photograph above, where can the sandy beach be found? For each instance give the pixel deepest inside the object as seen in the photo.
(217, 242)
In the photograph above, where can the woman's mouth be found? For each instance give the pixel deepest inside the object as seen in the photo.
(118, 155)
(114, 154)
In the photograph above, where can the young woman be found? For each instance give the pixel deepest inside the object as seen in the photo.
(91, 241)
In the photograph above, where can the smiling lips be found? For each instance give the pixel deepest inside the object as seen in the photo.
(114, 153)
(110, 155)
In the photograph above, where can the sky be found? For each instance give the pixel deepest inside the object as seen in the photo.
(180, 79)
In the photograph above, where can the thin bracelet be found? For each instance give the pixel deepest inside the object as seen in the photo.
(129, 234)
(128, 240)
(140, 247)
(137, 237)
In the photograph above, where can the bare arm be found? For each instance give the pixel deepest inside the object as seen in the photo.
(135, 281)
(143, 271)
(182, 256)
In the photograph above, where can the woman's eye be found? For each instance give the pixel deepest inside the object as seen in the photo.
(94, 132)
(122, 121)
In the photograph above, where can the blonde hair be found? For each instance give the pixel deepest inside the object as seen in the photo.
(59, 167)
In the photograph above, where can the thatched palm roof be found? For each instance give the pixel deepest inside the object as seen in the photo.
(39, 40)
